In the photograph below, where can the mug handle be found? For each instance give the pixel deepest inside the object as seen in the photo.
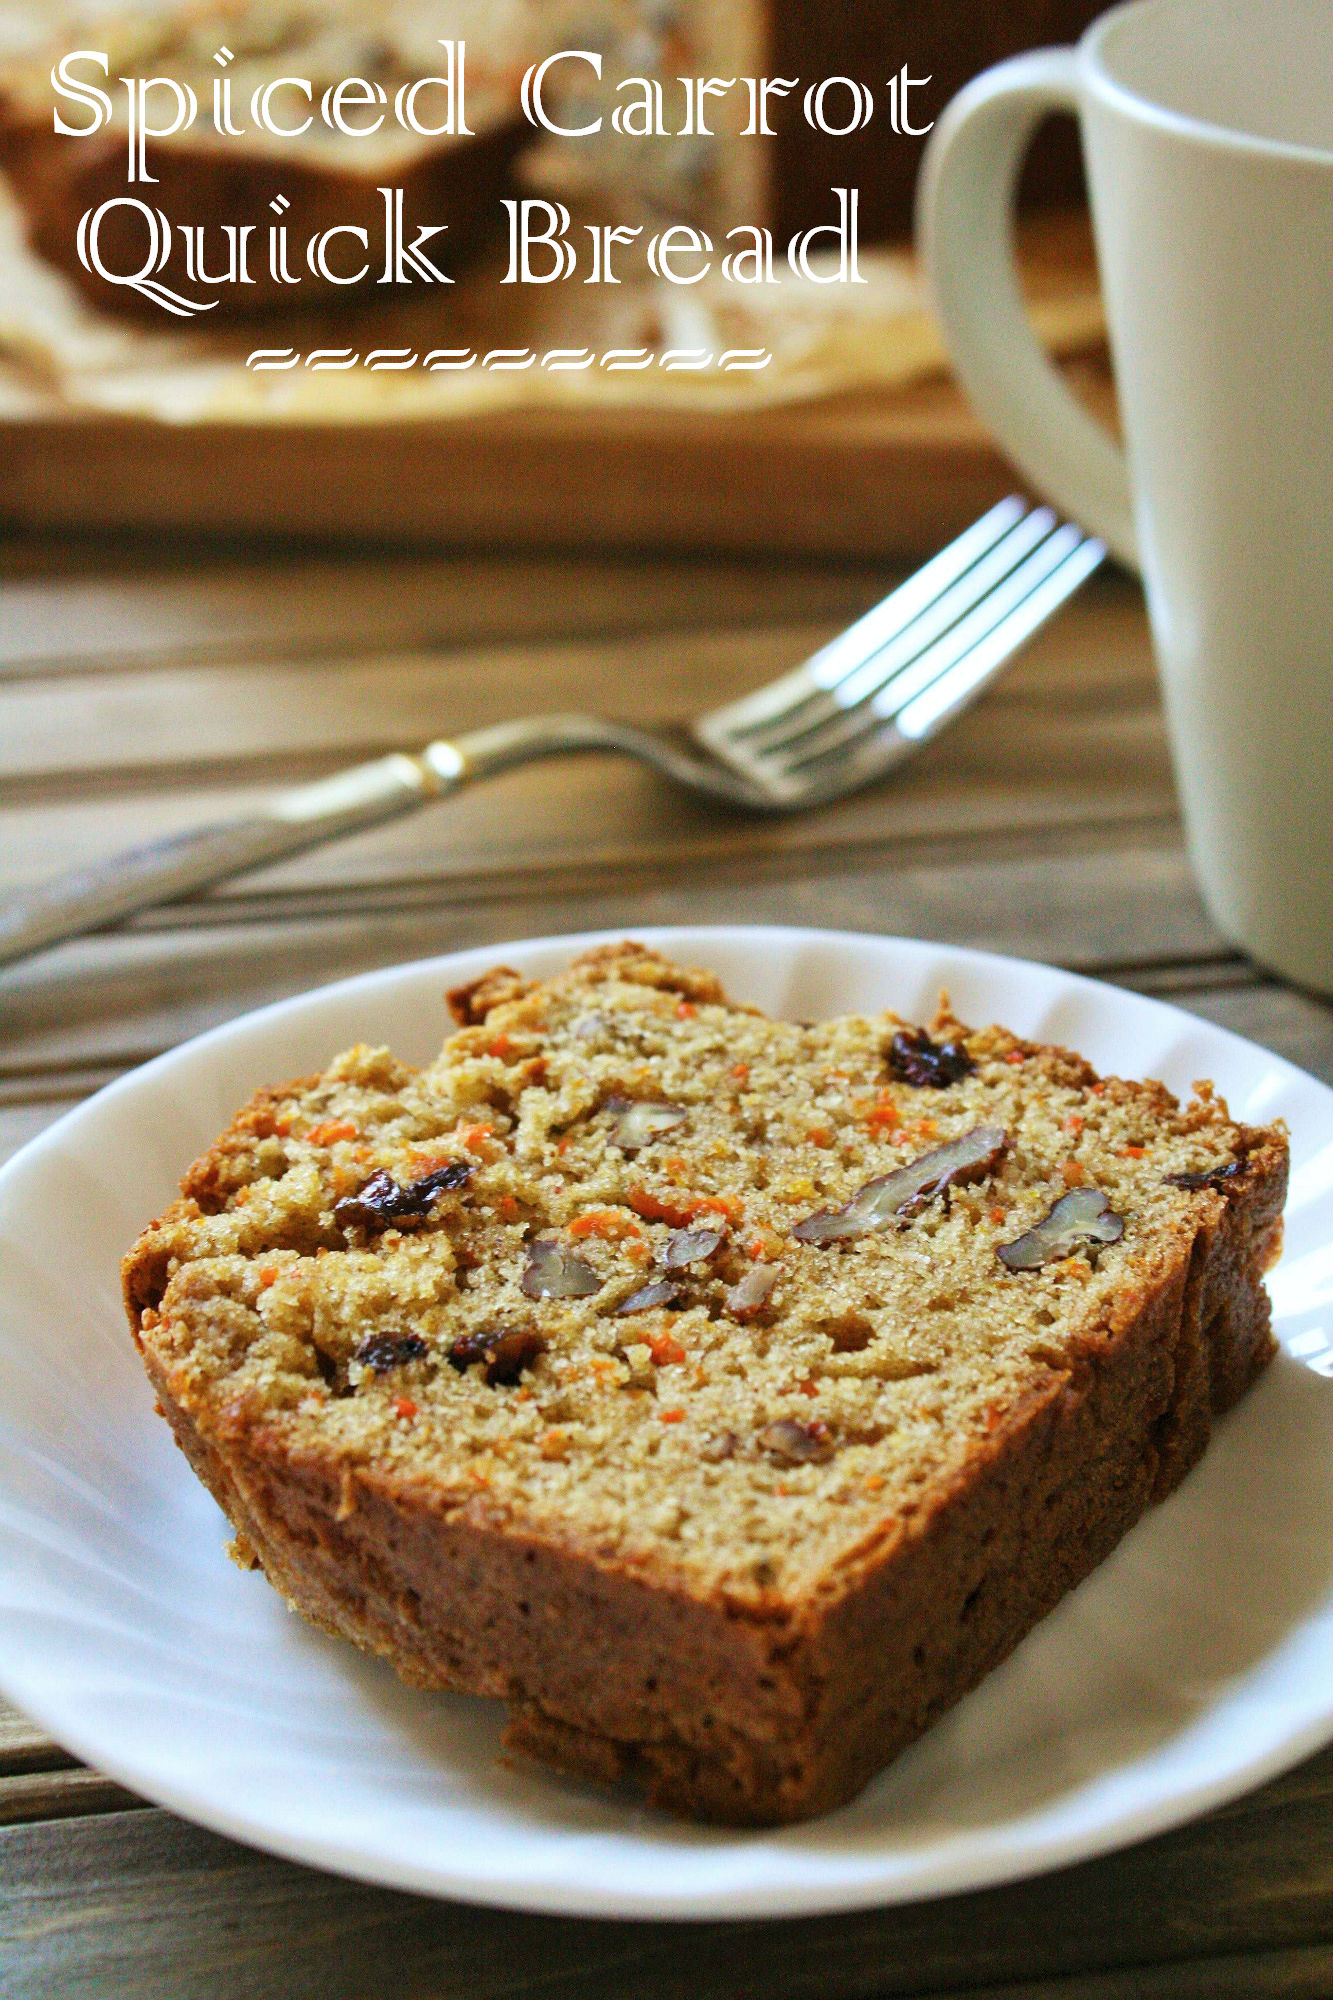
(965, 233)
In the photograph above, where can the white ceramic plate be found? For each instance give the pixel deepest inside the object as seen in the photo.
(1192, 1665)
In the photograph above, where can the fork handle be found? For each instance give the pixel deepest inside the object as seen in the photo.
(84, 899)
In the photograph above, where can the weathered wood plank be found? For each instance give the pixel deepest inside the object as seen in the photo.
(25, 1747)
(1299, 1974)
(31, 1796)
(129, 1905)
(273, 715)
(44, 1091)
(272, 711)
(205, 607)
(1004, 768)
(118, 998)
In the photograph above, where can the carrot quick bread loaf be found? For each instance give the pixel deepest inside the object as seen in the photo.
(726, 1395)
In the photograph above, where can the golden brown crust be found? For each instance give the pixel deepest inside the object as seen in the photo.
(740, 1718)
(756, 1705)
(635, 962)
(470, 1004)
(145, 1273)
(217, 1173)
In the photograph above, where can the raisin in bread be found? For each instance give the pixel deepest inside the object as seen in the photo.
(726, 1395)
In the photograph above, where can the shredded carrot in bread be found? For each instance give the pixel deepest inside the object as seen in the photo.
(331, 1131)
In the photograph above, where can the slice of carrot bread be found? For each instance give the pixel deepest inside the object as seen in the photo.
(727, 1395)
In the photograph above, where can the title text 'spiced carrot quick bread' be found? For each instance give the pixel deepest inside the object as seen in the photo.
(333, 109)
(726, 1395)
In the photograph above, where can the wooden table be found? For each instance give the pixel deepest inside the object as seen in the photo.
(145, 688)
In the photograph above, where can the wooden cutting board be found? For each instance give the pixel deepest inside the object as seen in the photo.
(889, 476)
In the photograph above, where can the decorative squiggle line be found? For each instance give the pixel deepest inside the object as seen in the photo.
(501, 359)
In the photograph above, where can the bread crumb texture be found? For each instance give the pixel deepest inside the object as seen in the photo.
(635, 1273)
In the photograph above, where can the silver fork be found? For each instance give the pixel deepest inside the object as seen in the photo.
(859, 707)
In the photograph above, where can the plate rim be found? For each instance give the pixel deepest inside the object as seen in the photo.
(950, 1866)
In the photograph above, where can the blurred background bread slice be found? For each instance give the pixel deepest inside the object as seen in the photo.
(327, 178)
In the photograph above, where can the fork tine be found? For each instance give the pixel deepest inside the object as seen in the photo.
(865, 701)
(960, 675)
(865, 683)
(827, 668)
(920, 672)
(961, 683)
(832, 665)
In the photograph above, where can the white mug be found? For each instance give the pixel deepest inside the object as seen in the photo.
(1207, 127)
